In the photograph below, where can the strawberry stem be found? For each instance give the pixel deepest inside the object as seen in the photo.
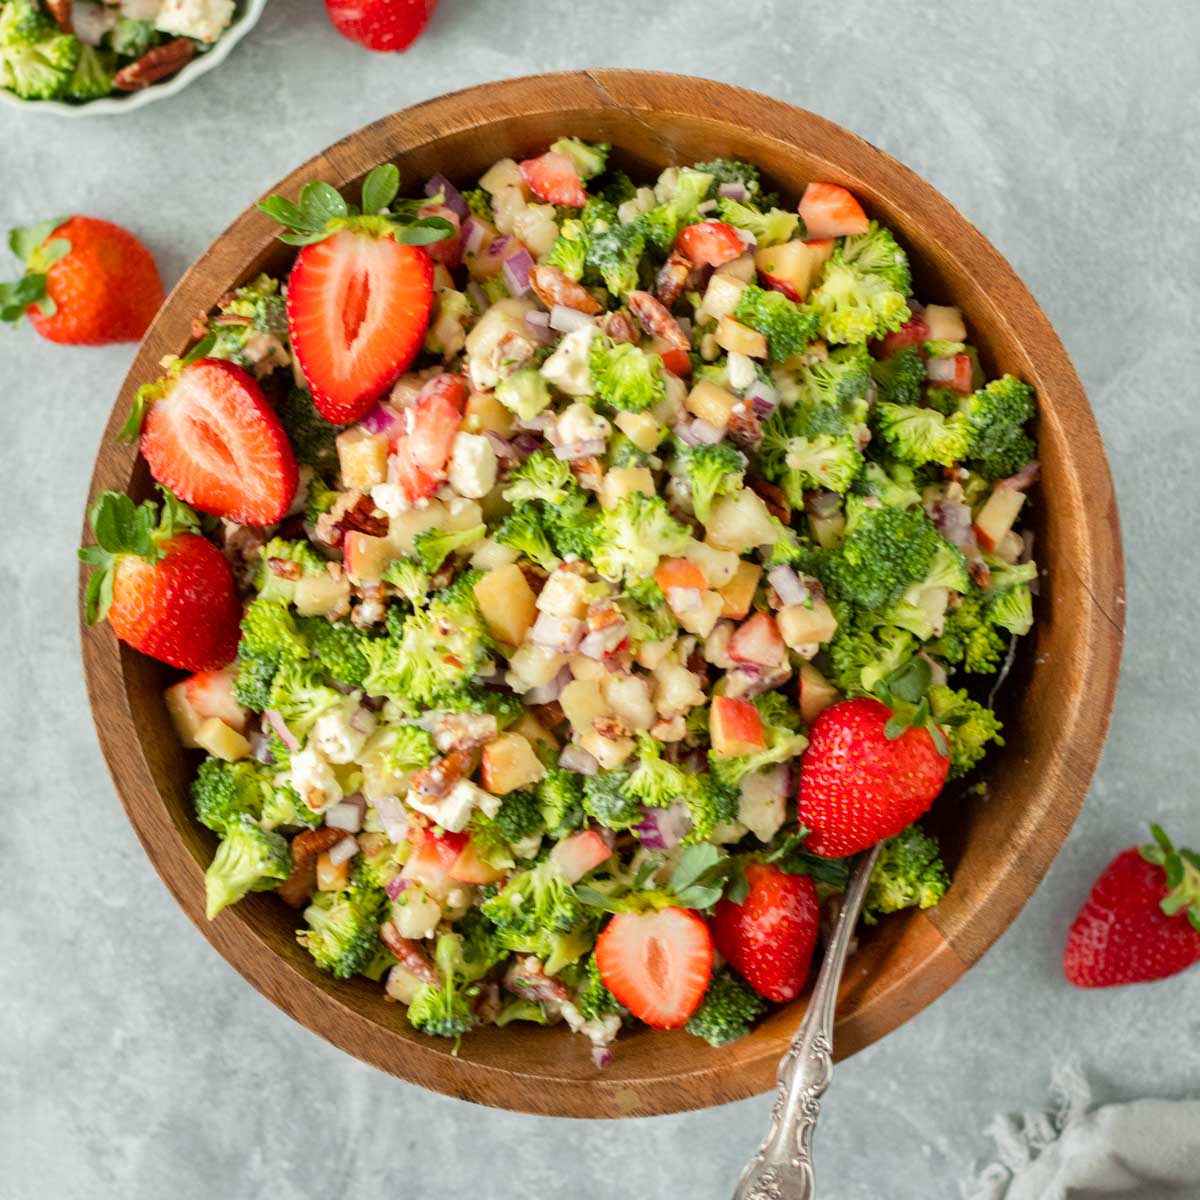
(1182, 869)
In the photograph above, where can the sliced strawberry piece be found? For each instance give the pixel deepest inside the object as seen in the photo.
(358, 307)
(677, 361)
(954, 373)
(432, 858)
(829, 211)
(210, 693)
(580, 853)
(554, 179)
(757, 641)
(710, 242)
(404, 472)
(217, 444)
(769, 938)
(448, 386)
(435, 421)
(657, 964)
(914, 332)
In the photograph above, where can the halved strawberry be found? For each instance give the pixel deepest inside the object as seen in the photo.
(829, 211)
(657, 964)
(757, 641)
(213, 439)
(358, 307)
(554, 179)
(710, 242)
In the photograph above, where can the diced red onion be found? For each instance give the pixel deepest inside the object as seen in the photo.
(473, 233)
(452, 198)
(343, 851)
(603, 641)
(734, 191)
(953, 521)
(822, 503)
(549, 692)
(478, 296)
(587, 448)
(567, 320)
(788, 584)
(393, 816)
(577, 759)
(501, 446)
(683, 599)
(1024, 479)
(345, 815)
(698, 433)
(285, 735)
(540, 328)
(915, 307)
(396, 886)
(1026, 546)
(940, 370)
(516, 272)
(560, 634)
(663, 828)
(362, 720)
(764, 397)
(499, 247)
(602, 1057)
(706, 206)
(260, 747)
(539, 318)
(542, 423)
(525, 444)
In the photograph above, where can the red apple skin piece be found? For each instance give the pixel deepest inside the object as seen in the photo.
(470, 868)
(757, 641)
(580, 853)
(735, 728)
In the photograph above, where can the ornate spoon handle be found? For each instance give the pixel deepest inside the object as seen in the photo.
(782, 1169)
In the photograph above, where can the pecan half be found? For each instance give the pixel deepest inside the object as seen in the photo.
(154, 65)
(298, 886)
(552, 287)
(619, 327)
(656, 321)
(774, 497)
(549, 715)
(527, 979)
(744, 427)
(409, 954)
(439, 777)
(363, 518)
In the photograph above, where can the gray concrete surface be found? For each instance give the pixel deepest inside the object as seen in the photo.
(134, 1063)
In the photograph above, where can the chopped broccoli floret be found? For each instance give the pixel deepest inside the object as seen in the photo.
(338, 647)
(908, 874)
(540, 477)
(782, 744)
(968, 725)
(732, 170)
(729, 1008)
(300, 695)
(37, 62)
(249, 859)
(524, 392)
(589, 158)
(537, 912)
(319, 500)
(479, 203)
(273, 585)
(770, 228)
(712, 801)
(593, 999)
(573, 525)
(654, 781)
(899, 377)
(444, 1010)
(894, 485)
(625, 377)
(283, 806)
(646, 613)
(712, 471)
(613, 253)
(524, 530)
(252, 685)
(313, 438)
(922, 608)
(787, 327)
(876, 253)
(917, 436)
(1012, 609)
(269, 637)
(343, 929)
(92, 76)
(861, 656)
(631, 538)
(823, 461)
(852, 305)
(888, 550)
(605, 799)
(434, 546)
(623, 451)
(997, 414)
(410, 748)
(569, 252)
(970, 638)
(132, 38)
(519, 817)
(224, 793)
(406, 576)
(560, 800)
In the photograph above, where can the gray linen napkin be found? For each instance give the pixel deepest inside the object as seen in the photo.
(1142, 1150)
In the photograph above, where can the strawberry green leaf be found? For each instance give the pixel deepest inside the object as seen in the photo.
(424, 232)
(24, 241)
(380, 188)
(320, 203)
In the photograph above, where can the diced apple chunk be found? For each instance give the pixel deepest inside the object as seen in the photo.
(711, 403)
(802, 625)
(582, 701)
(738, 594)
(740, 339)
(184, 717)
(331, 876)
(485, 414)
(404, 526)
(362, 457)
(470, 868)
(220, 741)
(701, 619)
(533, 666)
(507, 603)
(610, 753)
(509, 763)
(739, 522)
(735, 728)
(719, 566)
(827, 531)
(996, 517)
(762, 803)
(580, 853)
(564, 594)
(366, 557)
(317, 595)
(641, 429)
(721, 296)
(814, 692)
(790, 266)
(530, 728)
(625, 481)
(945, 323)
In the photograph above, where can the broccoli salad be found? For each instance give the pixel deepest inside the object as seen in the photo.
(80, 50)
(679, 466)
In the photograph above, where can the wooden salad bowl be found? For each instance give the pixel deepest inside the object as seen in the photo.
(1055, 705)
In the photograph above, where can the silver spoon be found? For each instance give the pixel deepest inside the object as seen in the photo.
(782, 1169)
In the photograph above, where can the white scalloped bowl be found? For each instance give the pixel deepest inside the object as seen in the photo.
(244, 19)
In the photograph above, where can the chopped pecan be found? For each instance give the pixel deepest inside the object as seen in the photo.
(744, 427)
(299, 885)
(486, 1005)
(980, 572)
(672, 279)
(656, 321)
(534, 575)
(548, 716)
(589, 472)
(774, 497)
(439, 777)
(619, 327)
(609, 726)
(464, 731)
(285, 568)
(242, 546)
(363, 517)
(231, 319)
(409, 954)
(154, 65)
(60, 10)
(552, 287)
(443, 576)
(527, 979)
(199, 325)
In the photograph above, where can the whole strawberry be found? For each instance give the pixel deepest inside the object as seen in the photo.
(86, 282)
(165, 590)
(862, 779)
(1141, 921)
(381, 24)
(770, 936)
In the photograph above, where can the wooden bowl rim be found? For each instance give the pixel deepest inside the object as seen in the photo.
(944, 949)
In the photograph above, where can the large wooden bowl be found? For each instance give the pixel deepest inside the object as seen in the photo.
(1056, 707)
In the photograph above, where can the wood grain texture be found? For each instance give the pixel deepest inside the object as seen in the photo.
(1056, 709)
